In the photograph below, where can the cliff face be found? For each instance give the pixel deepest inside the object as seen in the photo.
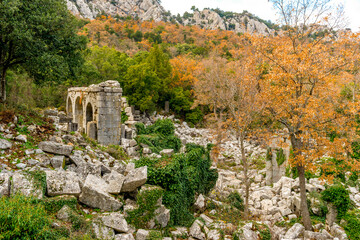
(143, 9)
(240, 23)
(151, 9)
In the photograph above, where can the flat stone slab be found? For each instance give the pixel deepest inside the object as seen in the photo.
(4, 184)
(95, 194)
(56, 148)
(62, 183)
(5, 144)
(134, 179)
(24, 184)
(115, 221)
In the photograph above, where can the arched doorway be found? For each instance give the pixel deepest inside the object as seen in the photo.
(91, 126)
(79, 113)
(69, 108)
(89, 113)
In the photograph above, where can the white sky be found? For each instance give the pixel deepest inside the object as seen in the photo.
(261, 8)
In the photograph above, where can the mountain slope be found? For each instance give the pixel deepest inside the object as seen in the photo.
(152, 10)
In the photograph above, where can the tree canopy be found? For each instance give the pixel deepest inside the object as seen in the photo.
(40, 35)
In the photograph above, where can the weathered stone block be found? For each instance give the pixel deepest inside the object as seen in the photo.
(94, 194)
(62, 183)
(56, 148)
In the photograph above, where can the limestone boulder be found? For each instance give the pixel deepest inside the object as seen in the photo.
(65, 213)
(295, 231)
(200, 203)
(127, 236)
(115, 180)
(142, 234)
(134, 179)
(62, 183)
(95, 194)
(4, 184)
(195, 230)
(115, 221)
(103, 232)
(5, 144)
(58, 161)
(25, 184)
(56, 148)
(167, 152)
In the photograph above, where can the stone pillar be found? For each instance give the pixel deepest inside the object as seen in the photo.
(109, 116)
(167, 106)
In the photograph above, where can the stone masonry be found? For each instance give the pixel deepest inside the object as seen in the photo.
(96, 111)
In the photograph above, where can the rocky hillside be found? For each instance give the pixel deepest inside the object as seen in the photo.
(151, 9)
(143, 9)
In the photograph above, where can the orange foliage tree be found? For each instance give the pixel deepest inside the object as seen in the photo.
(303, 84)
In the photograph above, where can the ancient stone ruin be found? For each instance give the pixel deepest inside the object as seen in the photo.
(96, 111)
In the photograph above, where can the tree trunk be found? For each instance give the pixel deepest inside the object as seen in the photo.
(304, 207)
(2, 86)
(246, 178)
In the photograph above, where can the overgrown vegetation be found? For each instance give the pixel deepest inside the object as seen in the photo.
(182, 176)
(22, 219)
(158, 136)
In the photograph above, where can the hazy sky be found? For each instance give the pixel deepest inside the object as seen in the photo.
(261, 8)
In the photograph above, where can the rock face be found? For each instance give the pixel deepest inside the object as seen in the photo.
(143, 9)
(94, 194)
(152, 9)
(62, 183)
(56, 148)
(134, 179)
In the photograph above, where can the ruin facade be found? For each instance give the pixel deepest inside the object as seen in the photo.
(96, 111)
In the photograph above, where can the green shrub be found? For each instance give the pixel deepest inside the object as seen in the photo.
(339, 196)
(352, 227)
(158, 136)
(20, 218)
(182, 176)
(236, 201)
(280, 157)
(147, 202)
(54, 204)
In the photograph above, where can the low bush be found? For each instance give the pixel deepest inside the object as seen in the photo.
(20, 218)
(158, 136)
(339, 196)
(352, 226)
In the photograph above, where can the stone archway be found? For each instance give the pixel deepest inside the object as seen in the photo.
(89, 113)
(79, 113)
(69, 107)
(91, 126)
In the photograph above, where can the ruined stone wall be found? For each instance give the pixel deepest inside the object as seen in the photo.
(96, 110)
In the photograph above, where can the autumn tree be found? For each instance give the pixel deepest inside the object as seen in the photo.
(303, 85)
(231, 88)
(40, 36)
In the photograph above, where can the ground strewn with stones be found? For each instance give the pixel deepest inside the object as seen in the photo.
(106, 189)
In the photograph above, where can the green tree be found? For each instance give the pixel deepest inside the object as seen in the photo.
(40, 35)
(142, 86)
(160, 64)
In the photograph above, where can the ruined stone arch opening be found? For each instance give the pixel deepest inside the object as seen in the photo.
(89, 113)
(69, 108)
(79, 113)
